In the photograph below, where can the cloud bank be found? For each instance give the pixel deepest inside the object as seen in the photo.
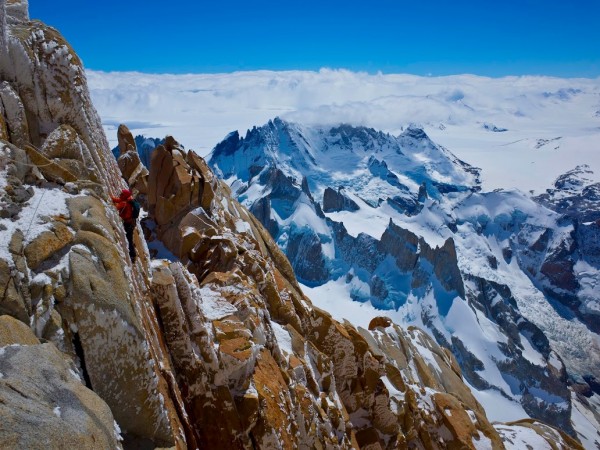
(522, 131)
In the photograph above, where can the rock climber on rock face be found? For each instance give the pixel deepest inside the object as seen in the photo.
(128, 211)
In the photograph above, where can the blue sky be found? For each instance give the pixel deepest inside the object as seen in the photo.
(512, 37)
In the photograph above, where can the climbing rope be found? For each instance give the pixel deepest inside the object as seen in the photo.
(26, 164)
(34, 215)
(31, 165)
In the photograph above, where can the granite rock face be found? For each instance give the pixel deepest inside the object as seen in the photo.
(48, 85)
(63, 256)
(65, 148)
(42, 398)
(336, 201)
(57, 407)
(577, 198)
(66, 277)
(241, 386)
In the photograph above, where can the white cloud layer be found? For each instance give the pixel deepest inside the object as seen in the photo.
(553, 124)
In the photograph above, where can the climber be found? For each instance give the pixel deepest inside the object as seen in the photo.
(129, 210)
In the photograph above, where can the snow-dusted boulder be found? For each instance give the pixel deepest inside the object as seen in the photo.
(65, 148)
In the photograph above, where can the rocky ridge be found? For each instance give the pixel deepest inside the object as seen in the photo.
(569, 271)
(217, 347)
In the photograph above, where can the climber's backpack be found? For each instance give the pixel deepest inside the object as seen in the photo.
(135, 209)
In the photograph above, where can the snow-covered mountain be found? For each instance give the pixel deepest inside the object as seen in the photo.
(372, 221)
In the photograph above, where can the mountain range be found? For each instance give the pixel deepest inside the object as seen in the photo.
(506, 281)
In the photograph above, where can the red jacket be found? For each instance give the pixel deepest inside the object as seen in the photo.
(123, 205)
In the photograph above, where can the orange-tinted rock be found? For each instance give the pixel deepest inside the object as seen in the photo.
(51, 170)
(65, 147)
(273, 427)
(134, 172)
(379, 321)
(125, 140)
(47, 244)
(13, 331)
